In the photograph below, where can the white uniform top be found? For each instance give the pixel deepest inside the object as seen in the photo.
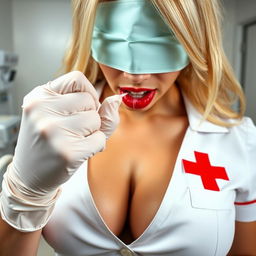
(213, 184)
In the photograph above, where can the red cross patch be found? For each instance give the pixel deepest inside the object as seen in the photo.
(205, 170)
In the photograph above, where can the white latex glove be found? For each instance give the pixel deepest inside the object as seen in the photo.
(62, 125)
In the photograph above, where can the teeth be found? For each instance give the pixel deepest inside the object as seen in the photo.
(137, 94)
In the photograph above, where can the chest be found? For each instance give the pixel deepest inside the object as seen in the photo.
(172, 222)
(129, 179)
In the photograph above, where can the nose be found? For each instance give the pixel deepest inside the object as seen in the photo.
(136, 78)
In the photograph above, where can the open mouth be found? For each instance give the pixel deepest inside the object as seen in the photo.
(137, 98)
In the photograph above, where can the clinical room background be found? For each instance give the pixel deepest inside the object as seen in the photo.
(36, 33)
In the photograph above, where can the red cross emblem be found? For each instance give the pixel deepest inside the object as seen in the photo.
(203, 168)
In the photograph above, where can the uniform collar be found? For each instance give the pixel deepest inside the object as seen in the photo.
(197, 123)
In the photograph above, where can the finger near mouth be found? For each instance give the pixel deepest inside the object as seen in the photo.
(138, 98)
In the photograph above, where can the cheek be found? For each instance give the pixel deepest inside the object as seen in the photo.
(111, 75)
(171, 77)
(168, 80)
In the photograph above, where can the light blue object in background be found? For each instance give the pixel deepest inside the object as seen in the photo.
(130, 35)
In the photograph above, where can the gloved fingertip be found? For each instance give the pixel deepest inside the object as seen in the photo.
(109, 114)
(111, 103)
(115, 99)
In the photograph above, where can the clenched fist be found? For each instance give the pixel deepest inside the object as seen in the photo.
(63, 124)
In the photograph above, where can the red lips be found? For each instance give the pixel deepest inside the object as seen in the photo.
(137, 98)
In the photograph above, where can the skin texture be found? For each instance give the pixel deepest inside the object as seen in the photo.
(244, 240)
(126, 182)
(140, 180)
(14, 242)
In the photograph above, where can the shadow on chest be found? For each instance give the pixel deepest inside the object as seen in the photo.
(129, 179)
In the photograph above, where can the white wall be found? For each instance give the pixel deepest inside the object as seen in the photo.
(229, 19)
(238, 13)
(6, 39)
(6, 43)
(41, 31)
(245, 11)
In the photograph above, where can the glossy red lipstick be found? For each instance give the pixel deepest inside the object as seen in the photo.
(137, 98)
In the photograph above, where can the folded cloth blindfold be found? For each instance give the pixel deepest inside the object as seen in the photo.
(130, 35)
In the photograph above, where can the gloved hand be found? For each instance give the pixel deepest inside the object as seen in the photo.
(62, 125)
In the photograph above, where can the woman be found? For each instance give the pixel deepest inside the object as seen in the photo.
(176, 177)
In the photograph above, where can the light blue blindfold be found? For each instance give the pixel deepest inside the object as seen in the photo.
(130, 35)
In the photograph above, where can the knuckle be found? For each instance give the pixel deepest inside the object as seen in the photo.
(26, 109)
(66, 157)
(31, 106)
(90, 102)
(32, 100)
(94, 119)
(78, 80)
(42, 131)
(45, 128)
(97, 119)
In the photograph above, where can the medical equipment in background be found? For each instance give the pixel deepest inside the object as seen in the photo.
(9, 123)
(4, 162)
(9, 129)
(8, 61)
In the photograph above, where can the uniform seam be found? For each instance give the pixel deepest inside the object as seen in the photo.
(247, 169)
(217, 242)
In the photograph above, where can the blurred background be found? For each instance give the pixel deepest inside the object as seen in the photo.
(35, 33)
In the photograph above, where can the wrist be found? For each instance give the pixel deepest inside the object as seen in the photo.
(22, 208)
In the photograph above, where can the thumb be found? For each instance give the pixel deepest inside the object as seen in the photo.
(109, 114)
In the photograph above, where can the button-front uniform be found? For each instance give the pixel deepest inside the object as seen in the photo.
(126, 252)
(213, 184)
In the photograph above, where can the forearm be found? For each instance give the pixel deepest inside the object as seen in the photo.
(14, 242)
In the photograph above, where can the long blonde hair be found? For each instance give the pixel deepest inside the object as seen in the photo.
(208, 81)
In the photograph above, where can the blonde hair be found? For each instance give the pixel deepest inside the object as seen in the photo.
(208, 81)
